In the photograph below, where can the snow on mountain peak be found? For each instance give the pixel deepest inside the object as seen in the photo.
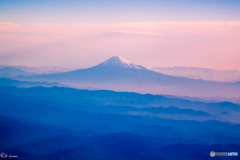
(117, 61)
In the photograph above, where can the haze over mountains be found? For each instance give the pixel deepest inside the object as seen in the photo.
(121, 75)
(132, 103)
(200, 73)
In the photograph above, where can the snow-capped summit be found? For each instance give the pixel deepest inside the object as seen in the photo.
(117, 61)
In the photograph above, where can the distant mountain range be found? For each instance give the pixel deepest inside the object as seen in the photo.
(201, 73)
(25, 84)
(12, 72)
(121, 75)
(7, 71)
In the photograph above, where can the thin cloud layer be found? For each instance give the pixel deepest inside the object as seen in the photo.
(199, 44)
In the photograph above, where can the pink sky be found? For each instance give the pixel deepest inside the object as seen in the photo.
(213, 45)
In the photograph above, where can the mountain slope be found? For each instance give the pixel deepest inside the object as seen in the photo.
(200, 73)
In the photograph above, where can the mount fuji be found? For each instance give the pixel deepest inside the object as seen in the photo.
(119, 74)
(119, 62)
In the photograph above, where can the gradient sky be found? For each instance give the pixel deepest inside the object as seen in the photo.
(79, 34)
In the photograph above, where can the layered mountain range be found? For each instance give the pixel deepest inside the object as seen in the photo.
(63, 123)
